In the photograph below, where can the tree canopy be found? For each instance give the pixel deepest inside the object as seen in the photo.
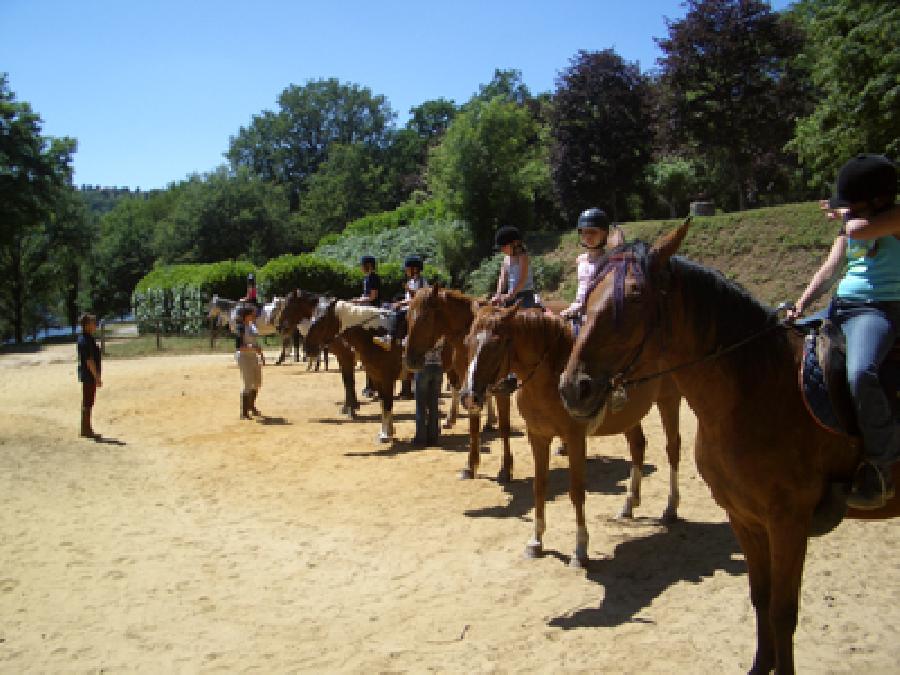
(854, 60)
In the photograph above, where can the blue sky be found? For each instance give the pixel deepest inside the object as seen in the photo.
(153, 89)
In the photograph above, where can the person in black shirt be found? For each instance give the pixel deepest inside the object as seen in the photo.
(88, 372)
(371, 294)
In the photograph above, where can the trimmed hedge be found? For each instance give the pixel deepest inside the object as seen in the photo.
(177, 295)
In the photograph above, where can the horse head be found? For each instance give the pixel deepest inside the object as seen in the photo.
(623, 310)
(488, 346)
(422, 319)
(323, 328)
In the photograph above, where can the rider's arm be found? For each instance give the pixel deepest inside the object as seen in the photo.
(615, 237)
(883, 225)
(824, 278)
(501, 280)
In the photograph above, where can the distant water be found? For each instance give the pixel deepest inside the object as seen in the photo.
(61, 331)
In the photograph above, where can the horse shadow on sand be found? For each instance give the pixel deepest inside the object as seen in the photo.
(272, 421)
(641, 569)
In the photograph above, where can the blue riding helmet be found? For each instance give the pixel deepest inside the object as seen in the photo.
(593, 217)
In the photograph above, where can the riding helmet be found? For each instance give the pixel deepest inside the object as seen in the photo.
(251, 277)
(593, 217)
(367, 260)
(507, 235)
(413, 261)
(863, 178)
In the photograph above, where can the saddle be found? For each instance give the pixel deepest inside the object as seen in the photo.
(823, 377)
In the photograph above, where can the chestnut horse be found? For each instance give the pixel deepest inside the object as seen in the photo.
(536, 346)
(300, 306)
(357, 325)
(436, 312)
(765, 459)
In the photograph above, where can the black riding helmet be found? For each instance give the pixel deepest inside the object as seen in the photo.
(864, 178)
(413, 261)
(593, 217)
(507, 235)
(367, 260)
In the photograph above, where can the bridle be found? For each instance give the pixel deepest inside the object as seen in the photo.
(619, 382)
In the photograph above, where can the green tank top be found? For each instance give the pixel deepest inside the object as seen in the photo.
(873, 270)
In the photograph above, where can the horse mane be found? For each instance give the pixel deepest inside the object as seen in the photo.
(550, 333)
(351, 315)
(720, 309)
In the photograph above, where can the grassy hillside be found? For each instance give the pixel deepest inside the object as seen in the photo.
(773, 252)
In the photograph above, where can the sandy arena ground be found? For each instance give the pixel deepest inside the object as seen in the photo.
(194, 542)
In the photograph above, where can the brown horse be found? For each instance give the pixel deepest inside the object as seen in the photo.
(437, 312)
(357, 325)
(536, 346)
(766, 461)
(301, 305)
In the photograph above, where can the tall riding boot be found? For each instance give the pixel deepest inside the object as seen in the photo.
(245, 406)
(86, 430)
(252, 403)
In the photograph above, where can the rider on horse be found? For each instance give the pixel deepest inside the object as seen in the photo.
(598, 236)
(866, 306)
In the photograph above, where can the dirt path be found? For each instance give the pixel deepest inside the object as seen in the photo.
(197, 542)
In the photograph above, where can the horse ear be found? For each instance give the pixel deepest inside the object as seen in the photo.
(668, 244)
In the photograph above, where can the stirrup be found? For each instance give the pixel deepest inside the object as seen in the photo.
(866, 496)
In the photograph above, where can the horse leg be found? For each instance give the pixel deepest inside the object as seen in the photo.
(491, 419)
(505, 473)
(788, 539)
(350, 403)
(755, 545)
(454, 408)
(540, 452)
(637, 445)
(325, 356)
(285, 347)
(577, 446)
(386, 393)
(474, 447)
(668, 413)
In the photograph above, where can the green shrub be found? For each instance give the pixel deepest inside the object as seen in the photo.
(176, 296)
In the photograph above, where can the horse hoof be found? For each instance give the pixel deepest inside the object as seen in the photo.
(384, 438)
(448, 424)
(562, 450)
(669, 517)
(504, 476)
(486, 428)
(577, 562)
(466, 474)
(533, 551)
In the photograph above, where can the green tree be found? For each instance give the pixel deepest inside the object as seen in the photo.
(851, 50)
(729, 90)
(490, 166)
(35, 174)
(220, 216)
(429, 120)
(288, 146)
(599, 124)
(674, 181)
(346, 186)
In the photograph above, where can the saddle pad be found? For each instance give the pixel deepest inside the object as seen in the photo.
(815, 390)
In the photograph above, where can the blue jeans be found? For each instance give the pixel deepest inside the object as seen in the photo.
(428, 391)
(870, 330)
(527, 298)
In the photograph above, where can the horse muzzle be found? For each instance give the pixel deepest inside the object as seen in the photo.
(583, 396)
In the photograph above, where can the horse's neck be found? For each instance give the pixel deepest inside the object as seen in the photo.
(538, 345)
(458, 317)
